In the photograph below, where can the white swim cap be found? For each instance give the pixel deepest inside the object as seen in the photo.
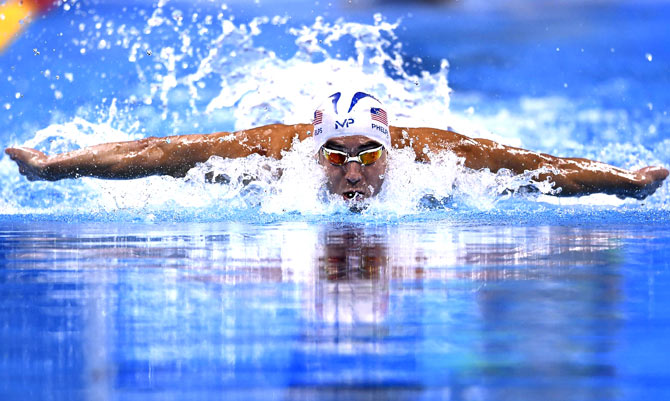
(348, 114)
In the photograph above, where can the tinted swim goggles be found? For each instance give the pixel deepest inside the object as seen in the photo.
(365, 157)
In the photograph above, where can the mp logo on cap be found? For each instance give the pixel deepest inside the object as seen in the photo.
(344, 124)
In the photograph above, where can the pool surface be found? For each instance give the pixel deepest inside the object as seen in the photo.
(334, 311)
(442, 289)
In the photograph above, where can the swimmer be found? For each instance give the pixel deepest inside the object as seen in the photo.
(352, 138)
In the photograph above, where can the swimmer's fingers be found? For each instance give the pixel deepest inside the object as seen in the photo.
(24, 154)
(649, 179)
(654, 173)
(31, 162)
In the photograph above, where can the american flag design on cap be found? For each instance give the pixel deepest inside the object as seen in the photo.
(378, 114)
(318, 117)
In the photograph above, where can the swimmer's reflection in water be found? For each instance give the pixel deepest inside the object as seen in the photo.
(355, 268)
(353, 283)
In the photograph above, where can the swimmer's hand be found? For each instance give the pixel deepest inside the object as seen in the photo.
(647, 181)
(32, 163)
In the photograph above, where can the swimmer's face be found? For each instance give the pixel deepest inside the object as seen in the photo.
(353, 180)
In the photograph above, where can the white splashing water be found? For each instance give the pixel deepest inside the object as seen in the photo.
(235, 80)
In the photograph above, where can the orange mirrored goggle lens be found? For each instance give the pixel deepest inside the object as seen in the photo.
(370, 156)
(335, 157)
(365, 158)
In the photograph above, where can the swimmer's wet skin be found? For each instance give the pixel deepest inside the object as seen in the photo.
(345, 127)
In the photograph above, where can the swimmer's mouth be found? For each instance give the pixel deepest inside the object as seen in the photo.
(353, 195)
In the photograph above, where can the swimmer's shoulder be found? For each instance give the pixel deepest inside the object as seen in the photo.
(420, 137)
(272, 139)
(282, 137)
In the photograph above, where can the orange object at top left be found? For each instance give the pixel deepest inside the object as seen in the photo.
(15, 15)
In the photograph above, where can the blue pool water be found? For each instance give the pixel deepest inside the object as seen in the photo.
(295, 310)
(164, 288)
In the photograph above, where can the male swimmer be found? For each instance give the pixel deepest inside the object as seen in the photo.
(352, 138)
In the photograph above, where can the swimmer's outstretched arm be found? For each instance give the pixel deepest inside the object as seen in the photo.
(574, 176)
(172, 156)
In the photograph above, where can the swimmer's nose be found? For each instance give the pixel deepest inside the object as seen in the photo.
(353, 173)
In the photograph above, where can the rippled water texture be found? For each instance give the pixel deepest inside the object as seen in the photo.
(456, 310)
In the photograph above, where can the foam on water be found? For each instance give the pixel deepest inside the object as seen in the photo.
(207, 69)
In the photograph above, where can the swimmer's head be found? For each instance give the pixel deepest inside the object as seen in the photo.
(352, 138)
(351, 113)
